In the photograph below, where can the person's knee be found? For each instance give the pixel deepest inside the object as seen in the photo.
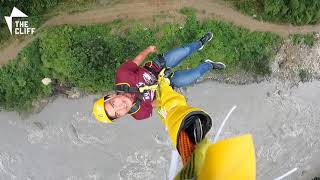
(187, 49)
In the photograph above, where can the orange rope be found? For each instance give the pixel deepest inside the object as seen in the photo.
(186, 147)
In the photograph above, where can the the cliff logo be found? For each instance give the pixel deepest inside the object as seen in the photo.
(20, 27)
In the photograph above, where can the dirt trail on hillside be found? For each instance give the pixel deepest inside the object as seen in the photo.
(142, 9)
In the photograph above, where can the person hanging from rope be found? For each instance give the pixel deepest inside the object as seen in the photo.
(134, 94)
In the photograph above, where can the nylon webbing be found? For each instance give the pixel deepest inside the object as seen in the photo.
(126, 88)
(185, 147)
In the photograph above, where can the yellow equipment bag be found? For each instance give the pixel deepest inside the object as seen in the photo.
(174, 111)
(230, 159)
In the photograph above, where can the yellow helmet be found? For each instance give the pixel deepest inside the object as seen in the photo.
(99, 111)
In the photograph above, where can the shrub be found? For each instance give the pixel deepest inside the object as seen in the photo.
(33, 8)
(187, 11)
(297, 12)
(87, 56)
(304, 75)
(237, 47)
(308, 39)
(20, 80)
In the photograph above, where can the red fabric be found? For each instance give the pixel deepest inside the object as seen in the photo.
(131, 73)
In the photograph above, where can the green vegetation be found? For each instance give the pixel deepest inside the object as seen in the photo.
(37, 11)
(20, 80)
(34, 9)
(238, 47)
(304, 75)
(187, 11)
(87, 56)
(308, 39)
(297, 12)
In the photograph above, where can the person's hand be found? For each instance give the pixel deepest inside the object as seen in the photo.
(152, 49)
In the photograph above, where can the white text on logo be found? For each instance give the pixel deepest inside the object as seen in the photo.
(21, 27)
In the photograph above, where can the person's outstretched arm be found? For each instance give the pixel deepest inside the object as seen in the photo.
(142, 55)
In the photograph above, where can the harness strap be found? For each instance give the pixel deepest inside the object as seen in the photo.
(151, 70)
(146, 88)
(161, 61)
(125, 88)
(135, 108)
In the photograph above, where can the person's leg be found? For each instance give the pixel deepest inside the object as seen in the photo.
(172, 58)
(177, 55)
(190, 76)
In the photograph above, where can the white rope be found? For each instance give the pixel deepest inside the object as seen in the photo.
(223, 123)
(173, 164)
(286, 174)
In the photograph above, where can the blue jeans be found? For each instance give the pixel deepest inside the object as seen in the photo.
(184, 77)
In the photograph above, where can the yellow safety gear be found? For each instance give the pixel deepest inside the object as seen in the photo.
(98, 108)
(99, 111)
(174, 110)
(229, 159)
(142, 89)
(195, 162)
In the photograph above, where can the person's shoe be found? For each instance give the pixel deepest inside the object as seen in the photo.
(206, 38)
(216, 65)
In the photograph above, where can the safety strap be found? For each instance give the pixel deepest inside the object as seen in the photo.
(197, 132)
(161, 61)
(125, 88)
(135, 108)
(196, 126)
(189, 170)
(154, 73)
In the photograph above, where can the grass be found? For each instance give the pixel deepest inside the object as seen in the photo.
(187, 11)
(304, 75)
(20, 80)
(308, 39)
(86, 57)
(296, 12)
(36, 19)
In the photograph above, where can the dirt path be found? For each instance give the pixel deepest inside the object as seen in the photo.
(142, 9)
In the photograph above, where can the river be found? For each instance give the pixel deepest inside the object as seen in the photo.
(63, 141)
